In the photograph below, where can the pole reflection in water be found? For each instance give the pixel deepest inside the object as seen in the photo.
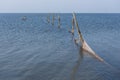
(76, 67)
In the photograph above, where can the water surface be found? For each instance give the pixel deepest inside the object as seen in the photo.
(36, 50)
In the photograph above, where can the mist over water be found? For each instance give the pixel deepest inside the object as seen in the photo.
(35, 50)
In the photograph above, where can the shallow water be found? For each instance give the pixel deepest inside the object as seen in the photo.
(36, 50)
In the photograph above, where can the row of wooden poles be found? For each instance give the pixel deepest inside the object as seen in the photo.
(83, 48)
(84, 44)
(53, 19)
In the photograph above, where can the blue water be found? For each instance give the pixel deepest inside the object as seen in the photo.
(35, 50)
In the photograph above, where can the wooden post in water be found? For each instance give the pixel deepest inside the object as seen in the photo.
(77, 27)
(53, 18)
(73, 25)
(48, 18)
(59, 24)
(85, 46)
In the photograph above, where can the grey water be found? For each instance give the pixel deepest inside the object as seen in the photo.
(33, 49)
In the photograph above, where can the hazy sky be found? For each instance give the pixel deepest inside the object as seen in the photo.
(60, 6)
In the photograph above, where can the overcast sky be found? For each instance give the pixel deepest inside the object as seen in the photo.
(59, 6)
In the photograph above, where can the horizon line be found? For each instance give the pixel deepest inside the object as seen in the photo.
(61, 12)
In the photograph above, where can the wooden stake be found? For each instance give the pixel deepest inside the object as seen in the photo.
(59, 22)
(48, 18)
(53, 18)
(77, 27)
(85, 46)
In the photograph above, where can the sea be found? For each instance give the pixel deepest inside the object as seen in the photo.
(31, 48)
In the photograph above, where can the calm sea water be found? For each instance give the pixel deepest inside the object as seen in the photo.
(35, 50)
